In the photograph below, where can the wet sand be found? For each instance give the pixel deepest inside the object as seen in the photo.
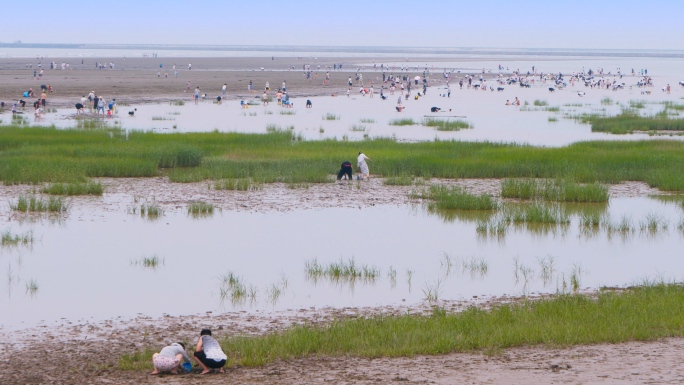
(135, 81)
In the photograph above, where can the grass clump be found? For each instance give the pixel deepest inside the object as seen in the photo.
(554, 190)
(177, 102)
(32, 203)
(540, 103)
(32, 287)
(239, 184)
(537, 213)
(340, 271)
(367, 120)
(400, 180)
(446, 125)
(627, 123)
(9, 239)
(152, 262)
(200, 209)
(330, 116)
(455, 198)
(232, 287)
(76, 188)
(403, 122)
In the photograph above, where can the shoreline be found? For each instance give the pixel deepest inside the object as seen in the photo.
(90, 352)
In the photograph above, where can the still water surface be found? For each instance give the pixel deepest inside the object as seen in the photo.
(87, 266)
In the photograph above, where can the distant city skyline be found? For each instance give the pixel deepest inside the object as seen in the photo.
(606, 24)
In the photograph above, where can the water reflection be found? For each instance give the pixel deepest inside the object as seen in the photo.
(401, 256)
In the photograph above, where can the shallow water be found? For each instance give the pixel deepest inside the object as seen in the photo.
(486, 111)
(85, 266)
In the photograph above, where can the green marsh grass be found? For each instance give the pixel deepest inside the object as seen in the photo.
(74, 188)
(177, 103)
(36, 155)
(32, 203)
(273, 293)
(91, 124)
(654, 223)
(540, 103)
(392, 275)
(606, 101)
(554, 190)
(32, 287)
(403, 122)
(357, 128)
(200, 209)
(409, 278)
(341, 270)
(288, 112)
(446, 125)
(151, 210)
(637, 104)
(455, 198)
(152, 262)
(627, 123)
(547, 268)
(636, 314)
(330, 116)
(233, 287)
(475, 267)
(399, 180)
(239, 184)
(432, 291)
(553, 119)
(9, 239)
(367, 120)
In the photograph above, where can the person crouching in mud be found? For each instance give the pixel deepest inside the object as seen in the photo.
(345, 169)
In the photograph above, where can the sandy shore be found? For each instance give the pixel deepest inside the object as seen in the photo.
(135, 80)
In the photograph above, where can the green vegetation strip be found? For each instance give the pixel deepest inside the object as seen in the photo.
(39, 155)
(627, 123)
(455, 198)
(89, 188)
(554, 190)
(641, 314)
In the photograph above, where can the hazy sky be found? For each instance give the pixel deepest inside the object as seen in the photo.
(438, 23)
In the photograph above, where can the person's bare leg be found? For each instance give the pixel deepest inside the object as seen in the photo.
(155, 368)
(179, 358)
(205, 369)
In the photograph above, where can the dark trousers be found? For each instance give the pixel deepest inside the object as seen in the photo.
(345, 171)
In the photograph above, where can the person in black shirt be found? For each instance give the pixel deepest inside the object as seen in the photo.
(345, 169)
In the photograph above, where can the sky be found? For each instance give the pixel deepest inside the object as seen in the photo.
(623, 24)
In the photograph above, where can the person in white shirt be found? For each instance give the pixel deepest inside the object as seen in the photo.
(363, 166)
(208, 353)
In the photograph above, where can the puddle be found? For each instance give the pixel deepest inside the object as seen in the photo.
(102, 265)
